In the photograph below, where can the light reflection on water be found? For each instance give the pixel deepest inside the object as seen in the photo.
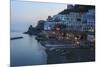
(27, 51)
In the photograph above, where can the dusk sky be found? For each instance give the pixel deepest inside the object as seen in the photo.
(24, 13)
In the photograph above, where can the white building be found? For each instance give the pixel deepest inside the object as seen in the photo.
(59, 17)
(89, 20)
(74, 21)
(48, 25)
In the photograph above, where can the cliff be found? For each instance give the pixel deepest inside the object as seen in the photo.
(35, 30)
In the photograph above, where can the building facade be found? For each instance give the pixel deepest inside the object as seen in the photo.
(74, 21)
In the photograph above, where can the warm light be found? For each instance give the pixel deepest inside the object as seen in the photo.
(57, 28)
(75, 38)
(77, 42)
(53, 32)
(91, 30)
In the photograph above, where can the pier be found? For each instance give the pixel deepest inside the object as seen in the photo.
(13, 38)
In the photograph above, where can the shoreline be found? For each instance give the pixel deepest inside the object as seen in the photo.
(70, 55)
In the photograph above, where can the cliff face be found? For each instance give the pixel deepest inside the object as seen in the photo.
(35, 30)
(30, 31)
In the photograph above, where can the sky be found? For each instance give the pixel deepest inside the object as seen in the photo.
(24, 13)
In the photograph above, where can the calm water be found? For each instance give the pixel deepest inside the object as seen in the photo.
(27, 51)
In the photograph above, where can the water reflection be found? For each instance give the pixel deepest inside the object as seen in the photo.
(27, 51)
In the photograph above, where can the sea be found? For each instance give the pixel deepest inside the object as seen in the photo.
(26, 51)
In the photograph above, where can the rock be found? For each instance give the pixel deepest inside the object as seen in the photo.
(31, 31)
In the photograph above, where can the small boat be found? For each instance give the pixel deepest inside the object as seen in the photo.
(16, 38)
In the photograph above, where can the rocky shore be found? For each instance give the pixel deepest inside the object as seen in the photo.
(31, 31)
(63, 55)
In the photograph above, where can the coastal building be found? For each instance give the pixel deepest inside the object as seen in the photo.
(89, 20)
(76, 19)
(73, 21)
(50, 19)
(59, 18)
(47, 26)
(70, 6)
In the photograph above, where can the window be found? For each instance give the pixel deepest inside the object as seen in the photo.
(78, 19)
